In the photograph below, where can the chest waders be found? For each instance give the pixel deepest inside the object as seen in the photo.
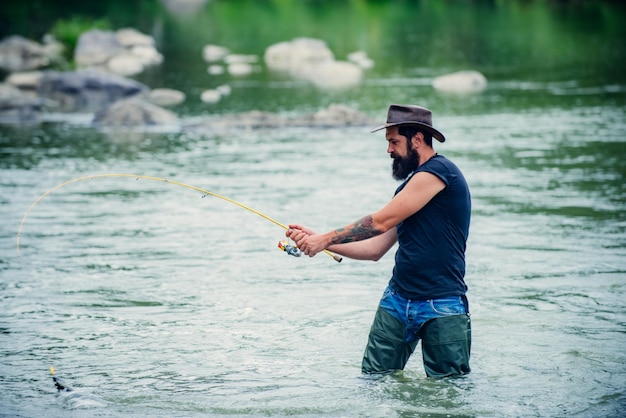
(446, 343)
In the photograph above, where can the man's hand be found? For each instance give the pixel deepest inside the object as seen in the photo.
(307, 240)
(295, 229)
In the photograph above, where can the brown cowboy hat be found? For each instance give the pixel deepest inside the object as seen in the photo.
(411, 115)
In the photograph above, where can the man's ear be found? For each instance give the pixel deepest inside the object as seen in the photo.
(417, 140)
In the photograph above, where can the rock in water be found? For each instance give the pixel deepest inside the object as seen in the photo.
(134, 112)
(461, 82)
(87, 90)
(20, 54)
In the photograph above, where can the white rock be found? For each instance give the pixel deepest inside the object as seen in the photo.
(311, 59)
(126, 52)
(129, 37)
(216, 69)
(166, 97)
(461, 82)
(125, 64)
(293, 56)
(241, 59)
(336, 75)
(240, 69)
(28, 80)
(210, 96)
(148, 54)
(96, 47)
(224, 90)
(213, 53)
(361, 59)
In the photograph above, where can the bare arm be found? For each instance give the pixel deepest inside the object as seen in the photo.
(369, 249)
(421, 188)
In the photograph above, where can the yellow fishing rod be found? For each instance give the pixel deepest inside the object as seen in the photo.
(282, 245)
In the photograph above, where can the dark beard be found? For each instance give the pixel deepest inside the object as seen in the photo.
(403, 166)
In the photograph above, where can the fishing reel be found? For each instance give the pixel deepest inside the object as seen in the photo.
(290, 249)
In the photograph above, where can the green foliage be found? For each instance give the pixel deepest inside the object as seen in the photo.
(69, 30)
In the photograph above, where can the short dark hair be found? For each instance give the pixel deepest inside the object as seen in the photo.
(409, 131)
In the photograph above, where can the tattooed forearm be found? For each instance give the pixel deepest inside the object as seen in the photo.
(360, 230)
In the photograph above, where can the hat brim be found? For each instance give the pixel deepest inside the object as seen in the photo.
(435, 133)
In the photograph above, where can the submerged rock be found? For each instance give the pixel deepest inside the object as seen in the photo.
(461, 82)
(134, 112)
(336, 115)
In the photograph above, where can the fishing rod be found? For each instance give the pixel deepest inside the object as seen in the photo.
(283, 245)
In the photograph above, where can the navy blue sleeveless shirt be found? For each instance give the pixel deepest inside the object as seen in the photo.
(430, 260)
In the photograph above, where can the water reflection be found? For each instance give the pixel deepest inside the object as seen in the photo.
(408, 393)
(30, 147)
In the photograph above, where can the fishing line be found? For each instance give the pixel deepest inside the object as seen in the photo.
(162, 180)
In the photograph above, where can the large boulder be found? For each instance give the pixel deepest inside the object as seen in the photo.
(87, 90)
(311, 60)
(296, 57)
(96, 48)
(125, 52)
(18, 108)
(21, 54)
(134, 112)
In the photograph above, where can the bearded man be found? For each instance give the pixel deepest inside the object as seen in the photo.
(429, 218)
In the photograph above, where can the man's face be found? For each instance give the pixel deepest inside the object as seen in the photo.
(405, 158)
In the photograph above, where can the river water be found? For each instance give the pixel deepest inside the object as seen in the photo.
(151, 299)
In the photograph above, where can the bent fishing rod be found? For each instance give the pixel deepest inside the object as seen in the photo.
(283, 245)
